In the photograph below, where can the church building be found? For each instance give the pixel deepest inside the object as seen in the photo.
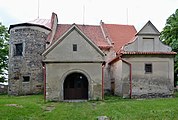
(83, 62)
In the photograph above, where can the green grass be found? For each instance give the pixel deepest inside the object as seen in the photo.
(34, 108)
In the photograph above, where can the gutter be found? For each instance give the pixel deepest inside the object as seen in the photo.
(44, 77)
(103, 65)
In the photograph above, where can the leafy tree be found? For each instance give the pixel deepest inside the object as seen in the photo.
(4, 37)
(169, 36)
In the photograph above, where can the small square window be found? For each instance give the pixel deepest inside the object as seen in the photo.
(148, 68)
(18, 49)
(74, 47)
(26, 78)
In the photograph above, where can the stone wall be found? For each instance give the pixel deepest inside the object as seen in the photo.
(3, 89)
(151, 87)
(25, 71)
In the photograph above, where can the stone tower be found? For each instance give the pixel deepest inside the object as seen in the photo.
(27, 43)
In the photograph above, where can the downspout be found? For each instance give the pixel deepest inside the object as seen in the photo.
(130, 77)
(44, 77)
(103, 65)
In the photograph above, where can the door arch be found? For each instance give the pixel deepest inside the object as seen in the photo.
(75, 87)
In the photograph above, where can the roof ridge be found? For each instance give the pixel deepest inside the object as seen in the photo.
(105, 30)
(117, 24)
(79, 24)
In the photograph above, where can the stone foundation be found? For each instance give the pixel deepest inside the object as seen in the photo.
(153, 95)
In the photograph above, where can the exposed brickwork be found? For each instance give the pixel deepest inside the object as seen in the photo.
(29, 64)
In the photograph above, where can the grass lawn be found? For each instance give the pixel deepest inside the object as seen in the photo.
(34, 108)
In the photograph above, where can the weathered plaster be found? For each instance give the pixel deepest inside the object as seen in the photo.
(55, 78)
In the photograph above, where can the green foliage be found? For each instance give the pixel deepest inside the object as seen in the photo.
(4, 38)
(34, 108)
(169, 36)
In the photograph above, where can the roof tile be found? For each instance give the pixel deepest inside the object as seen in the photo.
(93, 32)
(148, 53)
(119, 34)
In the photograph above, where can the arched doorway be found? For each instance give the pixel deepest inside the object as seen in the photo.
(76, 87)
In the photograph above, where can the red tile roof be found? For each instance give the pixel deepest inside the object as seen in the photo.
(93, 32)
(119, 57)
(61, 29)
(147, 53)
(119, 34)
(104, 35)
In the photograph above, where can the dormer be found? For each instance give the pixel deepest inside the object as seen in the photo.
(147, 40)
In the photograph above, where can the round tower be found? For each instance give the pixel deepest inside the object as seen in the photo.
(26, 45)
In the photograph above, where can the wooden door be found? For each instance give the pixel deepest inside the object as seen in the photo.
(75, 87)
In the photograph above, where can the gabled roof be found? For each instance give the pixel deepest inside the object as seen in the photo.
(93, 32)
(119, 34)
(66, 32)
(149, 29)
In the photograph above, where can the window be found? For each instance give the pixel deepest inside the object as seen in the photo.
(148, 68)
(74, 47)
(18, 49)
(26, 78)
(148, 38)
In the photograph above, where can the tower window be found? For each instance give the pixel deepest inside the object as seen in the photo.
(148, 68)
(18, 49)
(26, 78)
(74, 47)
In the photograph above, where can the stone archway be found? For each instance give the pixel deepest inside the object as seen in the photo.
(75, 87)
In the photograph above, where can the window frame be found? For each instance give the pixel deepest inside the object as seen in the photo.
(18, 50)
(74, 47)
(148, 68)
(26, 77)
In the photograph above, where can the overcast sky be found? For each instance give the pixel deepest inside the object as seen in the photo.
(134, 12)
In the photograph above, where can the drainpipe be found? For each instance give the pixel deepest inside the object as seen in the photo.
(103, 65)
(44, 77)
(130, 77)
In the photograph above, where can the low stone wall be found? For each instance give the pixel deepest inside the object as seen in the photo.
(3, 89)
(152, 88)
(152, 95)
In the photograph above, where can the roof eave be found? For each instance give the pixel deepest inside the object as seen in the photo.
(28, 24)
(148, 53)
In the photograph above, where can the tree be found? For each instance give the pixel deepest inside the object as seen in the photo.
(169, 36)
(4, 38)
